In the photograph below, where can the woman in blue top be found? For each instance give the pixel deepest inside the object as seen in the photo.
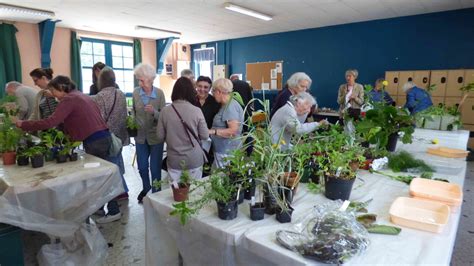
(380, 95)
(417, 99)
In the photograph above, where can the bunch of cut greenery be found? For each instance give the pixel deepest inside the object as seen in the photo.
(403, 161)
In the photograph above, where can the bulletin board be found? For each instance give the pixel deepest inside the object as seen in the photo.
(260, 74)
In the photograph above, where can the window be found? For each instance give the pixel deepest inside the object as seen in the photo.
(204, 61)
(117, 55)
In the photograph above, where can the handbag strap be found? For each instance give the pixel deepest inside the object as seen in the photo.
(113, 105)
(186, 127)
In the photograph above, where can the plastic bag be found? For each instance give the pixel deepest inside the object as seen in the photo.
(327, 235)
(86, 247)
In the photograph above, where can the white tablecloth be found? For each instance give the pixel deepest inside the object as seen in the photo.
(207, 240)
(57, 198)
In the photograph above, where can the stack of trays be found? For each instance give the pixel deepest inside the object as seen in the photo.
(430, 208)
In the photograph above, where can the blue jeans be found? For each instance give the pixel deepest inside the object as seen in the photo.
(149, 159)
(118, 160)
(100, 148)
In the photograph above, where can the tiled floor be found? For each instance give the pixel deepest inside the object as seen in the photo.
(127, 237)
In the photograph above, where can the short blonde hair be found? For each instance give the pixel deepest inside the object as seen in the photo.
(145, 71)
(223, 84)
(352, 72)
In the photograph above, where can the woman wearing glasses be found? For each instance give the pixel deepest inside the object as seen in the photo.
(227, 124)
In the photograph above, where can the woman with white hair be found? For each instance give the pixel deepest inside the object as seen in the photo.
(147, 104)
(298, 82)
(417, 99)
(351, 95)
(227, 124)
(285, 122)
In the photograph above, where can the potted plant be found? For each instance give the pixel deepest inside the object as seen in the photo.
(70, 146)
(36, 156)
(382, 124)
(9, 137)
(132, 126)
(240, 170)
(257, 209)
(338, 174)
(50, 139)
(181, 188)
(21, 158)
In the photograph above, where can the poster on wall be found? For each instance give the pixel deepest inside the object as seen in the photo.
(279, 68)
(273, 84)
(273, 73)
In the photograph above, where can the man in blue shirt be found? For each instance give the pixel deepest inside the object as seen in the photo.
(417, 99)
(379, 95)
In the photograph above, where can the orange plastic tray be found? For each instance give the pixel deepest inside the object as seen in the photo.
(420, 214)
(447, 193)
(448, 152)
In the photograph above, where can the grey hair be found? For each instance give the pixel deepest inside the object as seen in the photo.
(106, 78)
(13, 84)
(188, 73)
(295, 79)
(408, 85)
(352, 72)
(302, 97)
(224, 85)
(234, 76)
(145, 71)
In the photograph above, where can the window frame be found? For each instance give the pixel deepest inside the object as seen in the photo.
(108, 56)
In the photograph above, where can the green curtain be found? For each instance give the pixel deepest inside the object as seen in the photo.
(10, 63)
(76, 69)
(137, 55)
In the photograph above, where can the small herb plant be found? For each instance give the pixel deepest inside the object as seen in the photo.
(131, 123)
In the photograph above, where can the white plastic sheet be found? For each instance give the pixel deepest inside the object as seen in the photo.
(57, 198)
(86, 247)
(207, 240)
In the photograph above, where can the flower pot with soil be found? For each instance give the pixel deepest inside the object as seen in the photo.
(284, 216)
(257, 211)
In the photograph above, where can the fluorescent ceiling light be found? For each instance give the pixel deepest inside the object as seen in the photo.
(246, 11)
(25, 10)
(155, 30)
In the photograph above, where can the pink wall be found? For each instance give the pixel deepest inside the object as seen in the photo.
(30, 53)
(27, 38)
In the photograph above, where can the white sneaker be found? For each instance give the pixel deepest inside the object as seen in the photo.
(108, 218)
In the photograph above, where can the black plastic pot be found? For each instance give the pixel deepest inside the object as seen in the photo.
(365, 144)
(22, 160)
(257, 211)
(241, 196)
(37, 161)
(286, 193)
(227, 211)
(51, 154)
(392, 142)
(284, 216)
(336, 188)
(250, 191)
(270, 200)
(132, 132)
(73, 157)
(62, 158)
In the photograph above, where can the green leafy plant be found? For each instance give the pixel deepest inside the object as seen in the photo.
(35, 150)
(9, 137)
(402, 161)
(383, 121)
(131, 123)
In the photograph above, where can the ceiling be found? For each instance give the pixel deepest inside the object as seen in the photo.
(207, 20)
